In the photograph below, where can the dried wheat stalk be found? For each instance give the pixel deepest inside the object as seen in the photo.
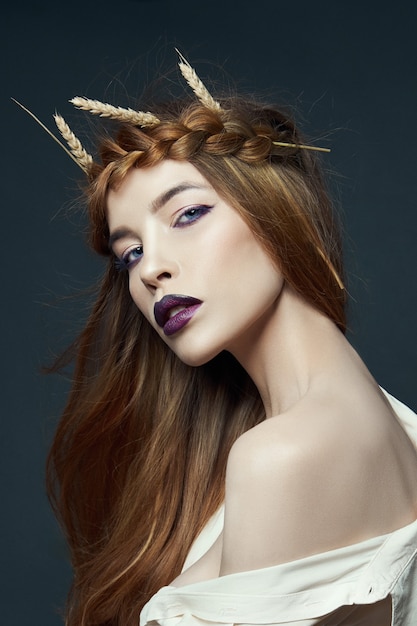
(138, 118)
(81, 156)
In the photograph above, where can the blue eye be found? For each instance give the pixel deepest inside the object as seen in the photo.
(130, 257)
(192, 214)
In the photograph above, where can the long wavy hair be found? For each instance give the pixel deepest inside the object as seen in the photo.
(138, 462)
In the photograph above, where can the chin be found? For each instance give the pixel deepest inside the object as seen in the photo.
(195, 360)
(194, 357)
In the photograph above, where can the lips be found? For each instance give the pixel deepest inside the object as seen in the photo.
(173, 312)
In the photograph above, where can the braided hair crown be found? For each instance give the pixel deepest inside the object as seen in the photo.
(250, 136)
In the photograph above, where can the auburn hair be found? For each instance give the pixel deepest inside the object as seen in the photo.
(138, 461)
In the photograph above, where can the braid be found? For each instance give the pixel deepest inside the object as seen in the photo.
(200, 130)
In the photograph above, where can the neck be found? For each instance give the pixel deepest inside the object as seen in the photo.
(288, 351)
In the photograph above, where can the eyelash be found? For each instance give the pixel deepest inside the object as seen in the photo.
(199, 211)
(193, 212)
(123, 263)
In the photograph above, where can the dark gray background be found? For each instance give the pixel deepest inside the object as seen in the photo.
(350, 68)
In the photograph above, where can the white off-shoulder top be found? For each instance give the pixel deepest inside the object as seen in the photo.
(371, 583)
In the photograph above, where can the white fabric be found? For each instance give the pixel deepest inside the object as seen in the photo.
(335, 588)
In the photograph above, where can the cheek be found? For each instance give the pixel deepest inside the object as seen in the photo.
(258, 280)
(249, 261)
(138, 294)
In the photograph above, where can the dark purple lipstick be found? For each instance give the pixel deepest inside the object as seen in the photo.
(174, 311)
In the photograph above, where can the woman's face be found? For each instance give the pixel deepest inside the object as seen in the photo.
(196, 271)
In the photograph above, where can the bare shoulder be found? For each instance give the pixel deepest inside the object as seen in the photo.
(280, 482)
(298, 484)
(283, 451)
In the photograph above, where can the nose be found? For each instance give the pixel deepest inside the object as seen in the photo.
(156, 267)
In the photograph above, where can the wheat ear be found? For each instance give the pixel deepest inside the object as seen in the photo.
(46, 129)
(196, 84)
(77, 152)
(138, 118)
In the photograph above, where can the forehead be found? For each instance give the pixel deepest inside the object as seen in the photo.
(151, 186)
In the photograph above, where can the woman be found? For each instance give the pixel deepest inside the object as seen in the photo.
(224, 447)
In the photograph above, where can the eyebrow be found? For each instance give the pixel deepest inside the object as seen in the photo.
(156, 205)
(119, 233)
(170, 193)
